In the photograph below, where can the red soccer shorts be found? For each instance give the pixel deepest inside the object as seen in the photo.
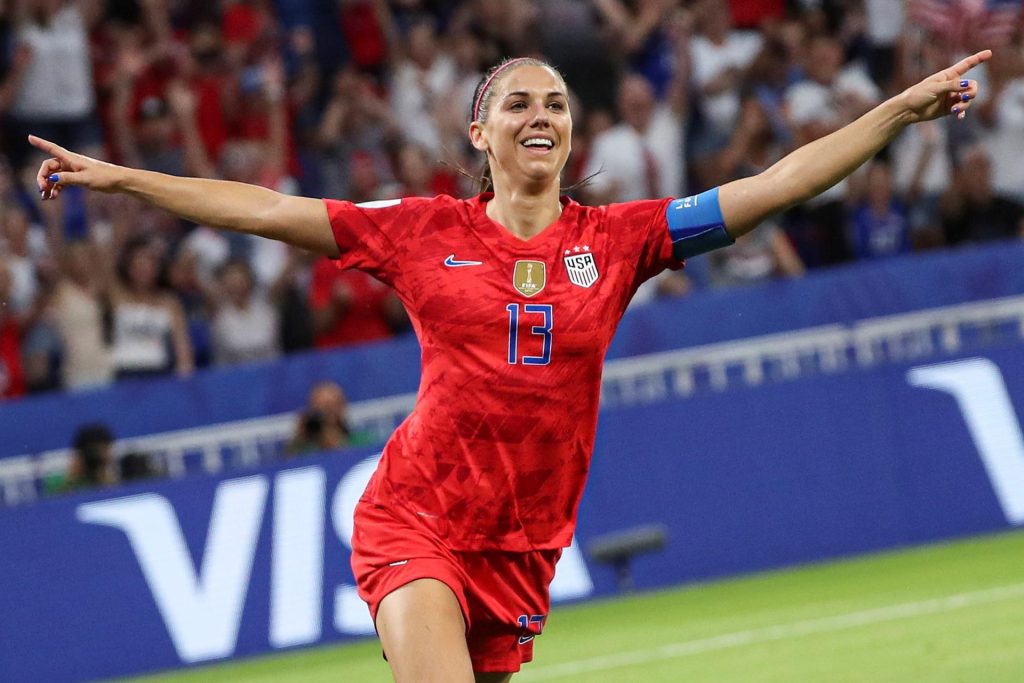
(503, 595)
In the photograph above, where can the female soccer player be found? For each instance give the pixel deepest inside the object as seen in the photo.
(515, 296)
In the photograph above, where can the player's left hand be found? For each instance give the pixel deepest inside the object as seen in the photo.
(946, 92)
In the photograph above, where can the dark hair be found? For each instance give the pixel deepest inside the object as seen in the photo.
(484, 89)
(133, 247)
(90, 443)
(91, 434)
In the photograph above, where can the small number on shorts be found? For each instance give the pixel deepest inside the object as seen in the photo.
(527, 623)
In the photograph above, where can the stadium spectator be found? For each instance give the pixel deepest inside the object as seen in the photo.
(831, 96)
(971, 211)
(644, 154)
(92, 463)
(587, 49)
(467, 52)
(150, 333)
(247, 26)
(159, 132)
(422, 78)
(356, 131)
(24, 247)
(641, 34)
(296, 327)
(246, 323)
(181, 277)
(51, 76)
(879, 223)
(418, 176)
(766, 252)
(80, 310)
(209, 79)
(921, 170)
(1004, 138)
(324, 424)
(506, 26)
(41, 346)
(12, 376)
(368, 26)
(884, 26)
(720, 57)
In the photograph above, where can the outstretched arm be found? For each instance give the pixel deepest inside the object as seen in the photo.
(300, 221)
(817, 166)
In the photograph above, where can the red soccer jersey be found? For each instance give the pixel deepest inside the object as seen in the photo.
(513, 336)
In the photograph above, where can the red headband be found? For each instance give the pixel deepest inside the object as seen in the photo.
(487, 83)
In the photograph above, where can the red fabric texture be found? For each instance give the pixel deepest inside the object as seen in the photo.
(242, 23)
(363, 34)
(494, 589)
(752, 13)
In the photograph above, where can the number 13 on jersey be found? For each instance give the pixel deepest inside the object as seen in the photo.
(543, 330)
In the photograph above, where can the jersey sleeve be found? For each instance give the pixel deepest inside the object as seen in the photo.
(376, 237)
(643, 227)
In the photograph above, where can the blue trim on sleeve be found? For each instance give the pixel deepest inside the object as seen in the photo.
(695, 225)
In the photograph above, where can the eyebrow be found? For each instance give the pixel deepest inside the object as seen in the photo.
(523, 93)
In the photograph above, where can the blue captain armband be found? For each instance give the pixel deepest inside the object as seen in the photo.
(695, 225)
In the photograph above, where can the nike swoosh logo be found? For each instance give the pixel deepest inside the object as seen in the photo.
(452, 263)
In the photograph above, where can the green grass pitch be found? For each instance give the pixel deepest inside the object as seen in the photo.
(946, 612)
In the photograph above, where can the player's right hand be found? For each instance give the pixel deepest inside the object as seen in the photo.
(68, 168)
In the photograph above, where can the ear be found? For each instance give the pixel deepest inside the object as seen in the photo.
(478, 136)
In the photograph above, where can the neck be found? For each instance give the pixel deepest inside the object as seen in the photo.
(524, 211)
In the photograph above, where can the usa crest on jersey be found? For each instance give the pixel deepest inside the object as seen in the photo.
(581, 266)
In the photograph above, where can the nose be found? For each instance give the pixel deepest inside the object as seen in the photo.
(541, 118)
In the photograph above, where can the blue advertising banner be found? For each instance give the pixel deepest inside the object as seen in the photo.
(202, 569)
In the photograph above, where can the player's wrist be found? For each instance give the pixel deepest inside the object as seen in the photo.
(900, 110)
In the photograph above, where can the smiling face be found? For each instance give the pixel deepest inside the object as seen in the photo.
(524, 126)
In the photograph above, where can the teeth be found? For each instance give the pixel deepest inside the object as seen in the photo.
(538, 142)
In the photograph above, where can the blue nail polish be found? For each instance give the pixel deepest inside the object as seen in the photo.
(964, 84)
(964, 97)
(956, 110)
(54, 178)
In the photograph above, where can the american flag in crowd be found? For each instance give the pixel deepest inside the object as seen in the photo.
(967, 24)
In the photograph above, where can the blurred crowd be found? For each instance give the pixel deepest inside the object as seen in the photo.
(369, 99)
